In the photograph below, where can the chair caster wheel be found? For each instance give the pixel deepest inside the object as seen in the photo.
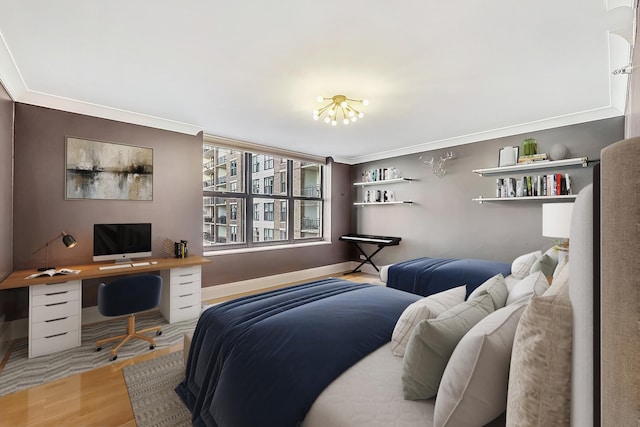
(98, 348)
(112, 358)
(158, 333)
(151, 347)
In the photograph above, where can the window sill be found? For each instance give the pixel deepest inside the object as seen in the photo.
(264, 248)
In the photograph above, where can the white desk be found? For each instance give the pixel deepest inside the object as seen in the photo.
(55, 303)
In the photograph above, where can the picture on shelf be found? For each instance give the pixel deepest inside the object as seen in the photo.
(508, 156)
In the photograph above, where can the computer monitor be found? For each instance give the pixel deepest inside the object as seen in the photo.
(121, 242)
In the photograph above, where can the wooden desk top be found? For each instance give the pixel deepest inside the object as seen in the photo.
(17, 279)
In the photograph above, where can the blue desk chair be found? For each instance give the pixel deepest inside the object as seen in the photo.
(130, 295)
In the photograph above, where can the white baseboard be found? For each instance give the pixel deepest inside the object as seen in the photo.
(252, 285)
(20, 328)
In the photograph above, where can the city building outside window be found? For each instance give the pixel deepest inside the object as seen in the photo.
(232, 206)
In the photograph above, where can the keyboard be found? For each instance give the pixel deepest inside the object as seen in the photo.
(139, 264)
(114, 266)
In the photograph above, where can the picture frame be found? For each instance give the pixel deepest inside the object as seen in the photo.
(508, 156)
(107, 171)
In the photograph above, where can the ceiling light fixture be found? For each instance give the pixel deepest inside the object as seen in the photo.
(339, 104)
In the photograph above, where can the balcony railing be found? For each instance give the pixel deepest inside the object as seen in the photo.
(311, 191)
(221, 180)
(222, 220)
(310, 223)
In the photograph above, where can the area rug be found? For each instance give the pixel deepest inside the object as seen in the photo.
(151, 387)
(21, 372)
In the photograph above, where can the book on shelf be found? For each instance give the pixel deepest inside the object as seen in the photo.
(53, 272)
(555, 184)
(542, 157)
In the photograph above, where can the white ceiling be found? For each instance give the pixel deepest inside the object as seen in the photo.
(436, 74)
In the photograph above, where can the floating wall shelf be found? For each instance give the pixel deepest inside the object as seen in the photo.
(383, 182)
(406, 202)
(524, 199)
(551, 164)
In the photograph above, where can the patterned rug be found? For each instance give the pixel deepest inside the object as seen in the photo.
(21, 372)
(151, 387)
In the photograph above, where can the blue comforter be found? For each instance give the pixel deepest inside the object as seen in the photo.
(426, 276)
(262, 360)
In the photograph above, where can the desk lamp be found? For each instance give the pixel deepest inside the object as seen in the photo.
(68, 241)
(556, 222)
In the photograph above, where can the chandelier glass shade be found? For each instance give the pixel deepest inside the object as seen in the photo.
(339, 108)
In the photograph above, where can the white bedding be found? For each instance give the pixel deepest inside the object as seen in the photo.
(369, 394)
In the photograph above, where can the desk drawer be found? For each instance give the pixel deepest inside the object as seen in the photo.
(185, 287)
(46, 345)
(55, 311)
(178, 314)
(54, 327)
(185, 273)
(55, 297)
(58, 287)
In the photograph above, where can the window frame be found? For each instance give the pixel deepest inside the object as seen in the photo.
(254, 160)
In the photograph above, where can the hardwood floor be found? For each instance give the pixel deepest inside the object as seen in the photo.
(94, 398)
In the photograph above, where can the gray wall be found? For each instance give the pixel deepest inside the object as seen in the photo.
(444, 222)
(41, 210)
(6, 198)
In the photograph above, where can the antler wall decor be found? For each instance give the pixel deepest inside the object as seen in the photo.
(438, 166)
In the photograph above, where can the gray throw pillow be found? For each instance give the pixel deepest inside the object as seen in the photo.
(496, 287)
(432, 342)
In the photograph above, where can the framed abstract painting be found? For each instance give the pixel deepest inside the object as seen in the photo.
(108, 171)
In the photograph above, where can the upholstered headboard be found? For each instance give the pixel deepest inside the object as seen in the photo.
(581, 293)
(620, 284)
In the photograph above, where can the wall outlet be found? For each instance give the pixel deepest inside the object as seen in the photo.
(363, 257)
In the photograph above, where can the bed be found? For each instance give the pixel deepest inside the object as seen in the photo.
(426, 276)
(369, 392)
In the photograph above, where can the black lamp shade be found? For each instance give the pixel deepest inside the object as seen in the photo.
(68, 240)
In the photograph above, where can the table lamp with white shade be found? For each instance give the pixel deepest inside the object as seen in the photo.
(556, 222)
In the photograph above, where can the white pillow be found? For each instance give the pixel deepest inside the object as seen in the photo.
(473, 390)
(426, 308)
(521, 266)
(534, 284)
(496, 287)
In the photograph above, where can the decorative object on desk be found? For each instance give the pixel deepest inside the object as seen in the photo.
(68, 241)
(508, 156)
(339, 105)
(53, 272)
(103, 170)
(180, 249)
(559, 152)
(437, 167)
(556, 222)
(529, 147)
(168, 247)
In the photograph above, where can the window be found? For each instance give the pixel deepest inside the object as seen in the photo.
(268, 211)
(268, 185)
(268, 162)
(283, 182)
(287, 192)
